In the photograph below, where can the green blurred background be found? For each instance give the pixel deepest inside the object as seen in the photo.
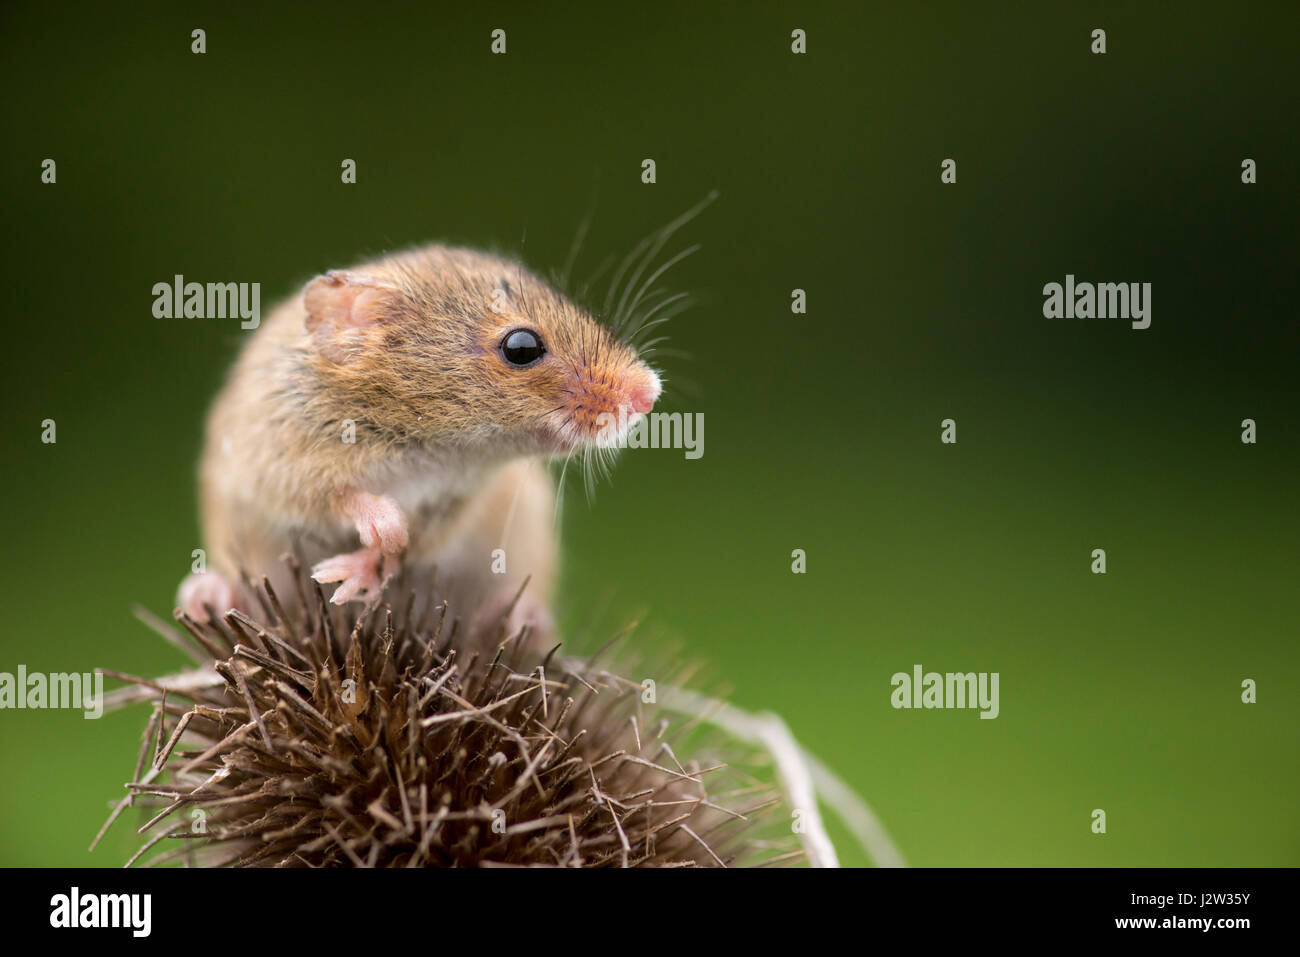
(924, 302)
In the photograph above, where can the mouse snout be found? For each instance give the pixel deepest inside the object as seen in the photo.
(597, 400)
(642, 396)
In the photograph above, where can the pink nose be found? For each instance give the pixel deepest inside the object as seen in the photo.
(643, 398)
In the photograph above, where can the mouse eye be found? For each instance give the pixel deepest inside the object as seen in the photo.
(522, 347)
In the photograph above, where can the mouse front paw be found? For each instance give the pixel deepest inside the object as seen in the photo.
(360, 573)
(379, 520)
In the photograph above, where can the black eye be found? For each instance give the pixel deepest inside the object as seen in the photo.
(522, 347)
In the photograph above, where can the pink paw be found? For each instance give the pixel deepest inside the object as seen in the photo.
(205, 588)
(379, 520)
(359, 573)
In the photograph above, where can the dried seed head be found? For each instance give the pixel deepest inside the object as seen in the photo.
(324, 736)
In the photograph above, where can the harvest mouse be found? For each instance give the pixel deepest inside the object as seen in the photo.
(402, 410)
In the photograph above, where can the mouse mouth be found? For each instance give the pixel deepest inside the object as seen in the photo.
(561, 434)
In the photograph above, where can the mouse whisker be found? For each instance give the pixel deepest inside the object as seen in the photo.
(635, 337)
(650, 280)
(656, 241)
(576, 246)
(583, 291)
(670, 306)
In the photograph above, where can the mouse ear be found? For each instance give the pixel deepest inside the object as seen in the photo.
(339, 305)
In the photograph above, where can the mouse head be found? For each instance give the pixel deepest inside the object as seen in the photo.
(454, 346)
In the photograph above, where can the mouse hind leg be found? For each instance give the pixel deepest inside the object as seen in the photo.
(504, 535)
(202, 590)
